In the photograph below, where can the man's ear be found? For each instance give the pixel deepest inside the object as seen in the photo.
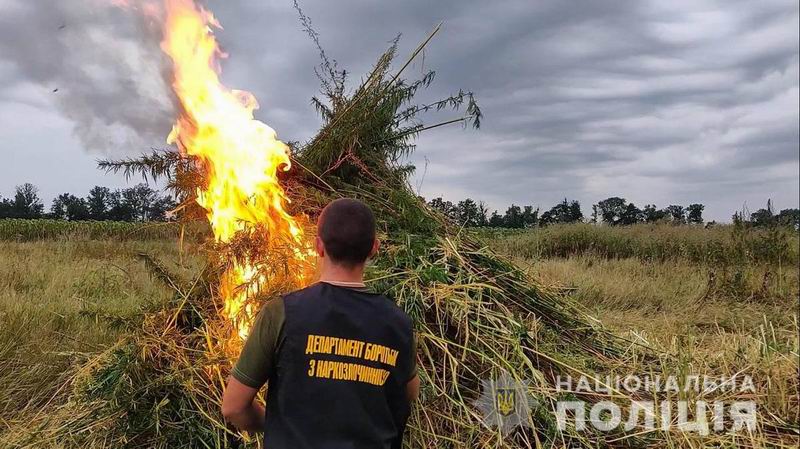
(320, 247)
(376, 245)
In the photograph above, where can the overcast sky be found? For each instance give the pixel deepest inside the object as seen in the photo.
(665, 102)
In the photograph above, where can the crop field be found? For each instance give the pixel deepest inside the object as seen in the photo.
(70, 292)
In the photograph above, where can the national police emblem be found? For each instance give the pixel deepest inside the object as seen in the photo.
(505, 403)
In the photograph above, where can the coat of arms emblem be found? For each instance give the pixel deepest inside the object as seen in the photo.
(505, 403)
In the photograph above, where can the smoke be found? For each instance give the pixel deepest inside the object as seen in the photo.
(100, 65)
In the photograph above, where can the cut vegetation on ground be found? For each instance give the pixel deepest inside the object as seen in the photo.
(62, 298)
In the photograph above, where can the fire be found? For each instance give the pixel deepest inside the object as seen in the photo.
(241, 157)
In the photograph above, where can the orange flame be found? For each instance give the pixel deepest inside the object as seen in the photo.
(240, 154)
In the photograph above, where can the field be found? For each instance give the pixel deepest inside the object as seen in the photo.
(722, 300)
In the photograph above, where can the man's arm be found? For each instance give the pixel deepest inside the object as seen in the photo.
(253, 369)
(240, 408)
(412, 389)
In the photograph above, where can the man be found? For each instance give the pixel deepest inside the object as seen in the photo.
(339, 361)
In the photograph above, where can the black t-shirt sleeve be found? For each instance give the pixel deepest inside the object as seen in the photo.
(257, 360)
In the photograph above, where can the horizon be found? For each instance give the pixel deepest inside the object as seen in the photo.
(745, 210)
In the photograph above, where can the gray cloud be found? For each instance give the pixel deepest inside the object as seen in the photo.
(100, 64)
(659, 102)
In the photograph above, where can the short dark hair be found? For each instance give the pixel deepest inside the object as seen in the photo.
(347, 229)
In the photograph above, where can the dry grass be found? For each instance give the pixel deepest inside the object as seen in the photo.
(718, 245)
(714, 322)
(62, 301)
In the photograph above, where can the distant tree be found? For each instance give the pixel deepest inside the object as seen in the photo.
(789, 217)
(437, 203)
(496, 220)
(575, 212)
(58, 209)
(547, 218)
(563, 212)
(467, 212)
(652, 214)
(763, 217)
(140, 199)
(6, 207)
(513, 217)
(483, 214)
(77, 209)
(98, 202)
(676, 213)
(738, 218)
(158, 210)
(69, 207)
(118, 208)
(26, 202)
(530, 216)
(137, 203)
(695, 213)
(631, 215)
(611, 210)
(446, 207)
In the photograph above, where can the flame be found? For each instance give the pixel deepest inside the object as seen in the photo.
(241, 157)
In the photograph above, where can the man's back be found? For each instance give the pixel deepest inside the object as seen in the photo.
(339, 362)
(340, 369)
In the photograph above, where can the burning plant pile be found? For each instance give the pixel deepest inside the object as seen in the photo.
(476, 314)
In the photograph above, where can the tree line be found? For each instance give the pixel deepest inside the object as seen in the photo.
(614, 211)
(137, 203)
(768, 217)
(142, 203)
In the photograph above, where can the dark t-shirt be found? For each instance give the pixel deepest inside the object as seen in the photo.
(337, 361)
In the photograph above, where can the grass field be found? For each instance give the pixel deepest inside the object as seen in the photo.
(717, 299)
(63, 299)
(722, 300)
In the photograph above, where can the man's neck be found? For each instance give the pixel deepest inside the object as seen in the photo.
(340, 274)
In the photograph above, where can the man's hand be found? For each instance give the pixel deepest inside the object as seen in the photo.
(240, 408)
